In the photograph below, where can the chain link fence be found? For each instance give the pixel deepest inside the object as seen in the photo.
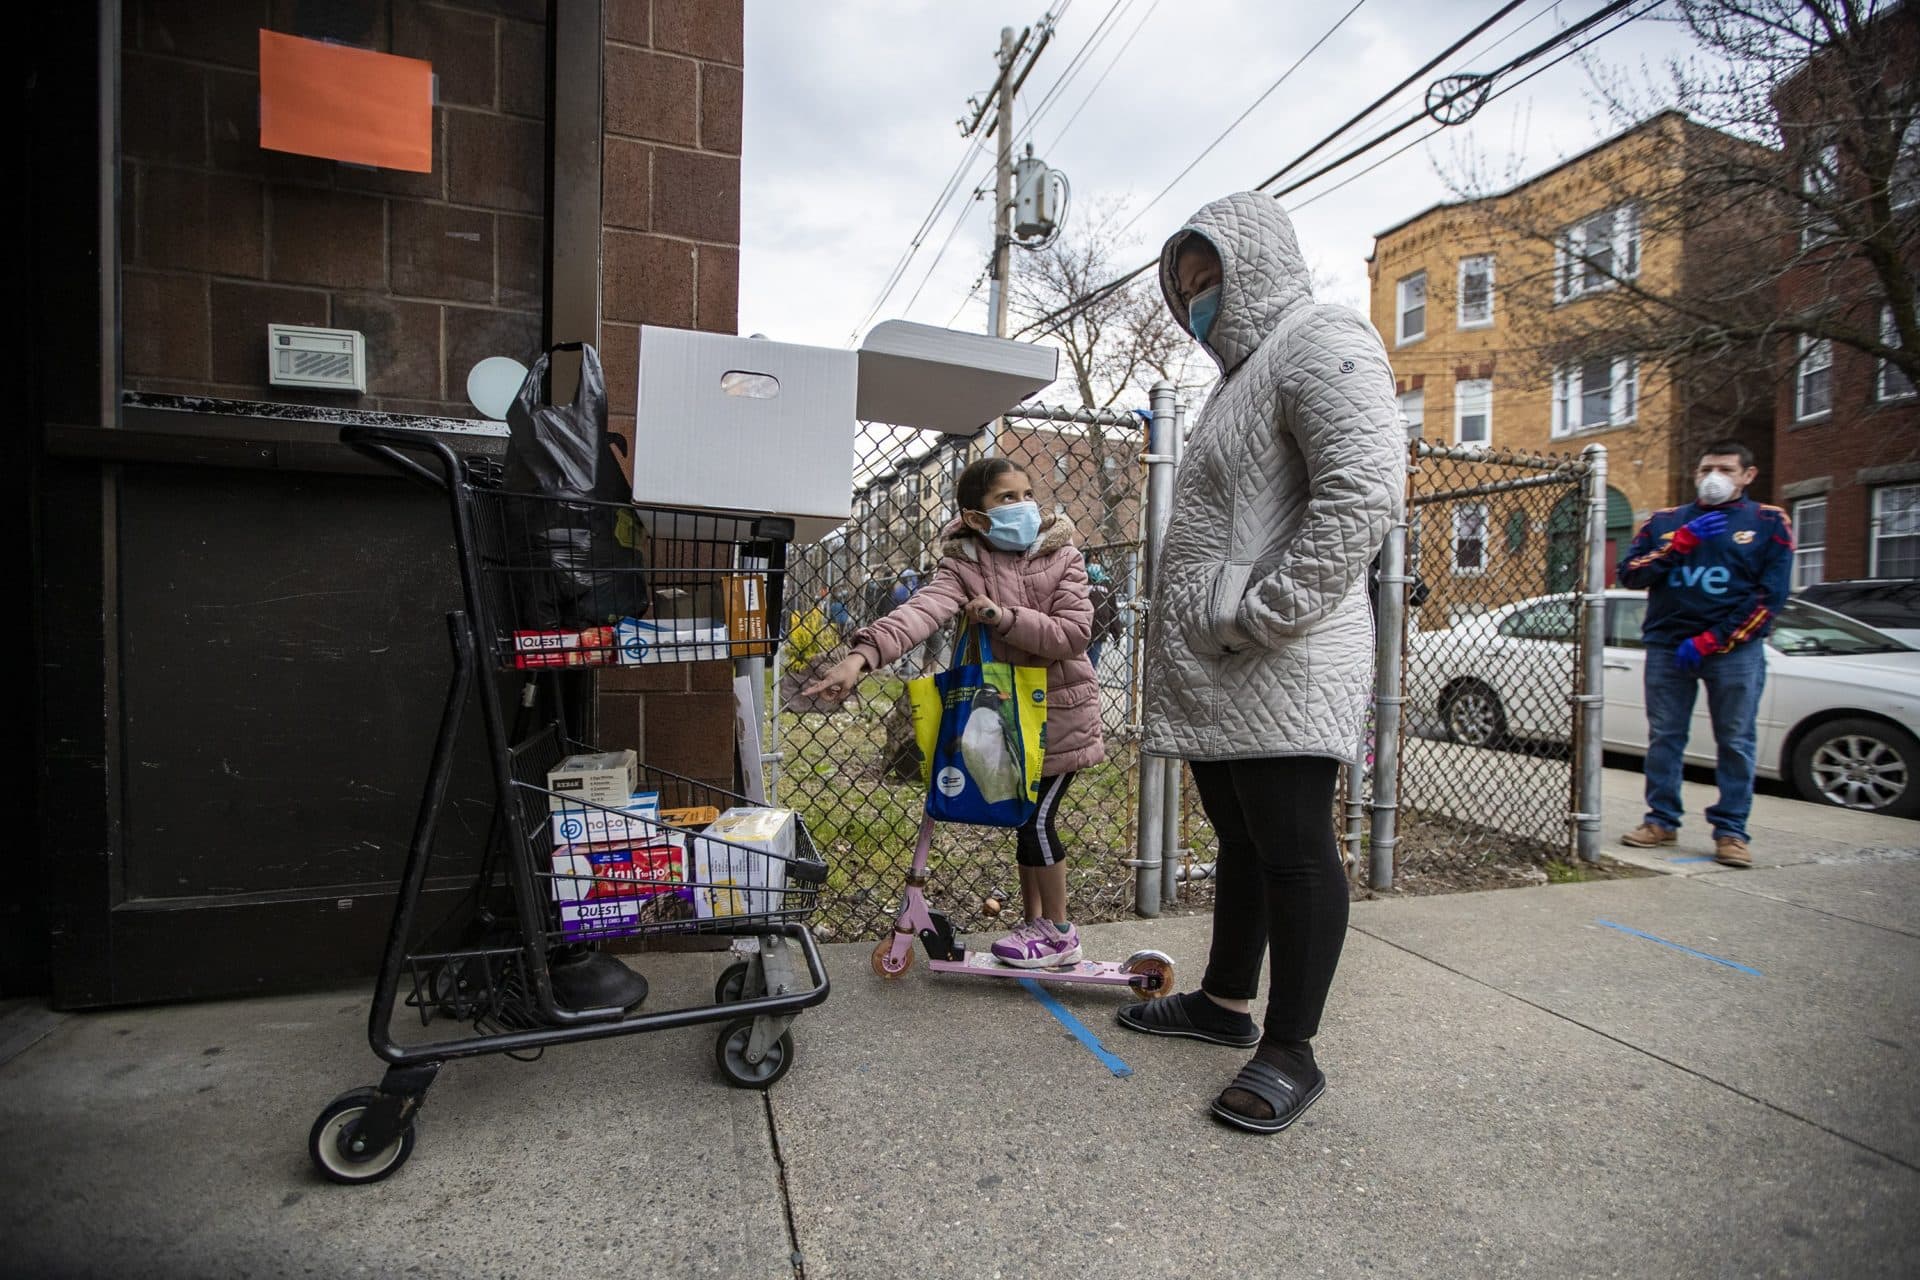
(1497, 553)
(853, 769)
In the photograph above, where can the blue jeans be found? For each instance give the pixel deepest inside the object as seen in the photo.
(1734, 681)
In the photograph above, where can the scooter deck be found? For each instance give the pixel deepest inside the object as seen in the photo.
(981, 964)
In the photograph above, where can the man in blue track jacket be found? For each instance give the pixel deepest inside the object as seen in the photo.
(1716, 572)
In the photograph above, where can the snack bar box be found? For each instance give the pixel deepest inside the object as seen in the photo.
(611, 890)
(638, 819)
(737, 862)
(605, 777)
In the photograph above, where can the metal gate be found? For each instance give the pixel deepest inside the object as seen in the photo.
(1487, 735)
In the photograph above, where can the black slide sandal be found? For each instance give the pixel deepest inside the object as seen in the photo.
(1273, 1087)
(1167, 1016)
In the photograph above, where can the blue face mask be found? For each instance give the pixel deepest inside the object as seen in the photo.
(1202, 310)
(1014, 527)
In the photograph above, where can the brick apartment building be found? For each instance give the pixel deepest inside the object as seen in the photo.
(1469, 296)
(1847, 426)
(240, 652)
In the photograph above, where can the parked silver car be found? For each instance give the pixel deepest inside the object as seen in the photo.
(1837, 719)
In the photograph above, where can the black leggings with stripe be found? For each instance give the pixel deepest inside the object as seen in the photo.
(1039, 842)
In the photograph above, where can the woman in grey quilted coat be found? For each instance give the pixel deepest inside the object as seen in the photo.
(1260, 649)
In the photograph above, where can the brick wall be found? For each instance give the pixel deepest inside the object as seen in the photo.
(670, 201)
(1861, 443)
(439, 270)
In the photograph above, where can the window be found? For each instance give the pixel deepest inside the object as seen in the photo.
(1595, 253)
(1890, 383)
(1476, 292)
(1603, 391)
(1473, 412)
(1625, 617)
(1820, 183)
(1413, 407)
(1410, 304)
(1809, 542)
(1813, 385)
(1903, 187)
(1470, 538)
(1553, 620)
(1894, 541)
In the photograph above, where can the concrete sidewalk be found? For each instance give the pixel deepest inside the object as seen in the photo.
(1708, 1076)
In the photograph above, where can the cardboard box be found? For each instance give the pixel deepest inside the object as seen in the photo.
(606, 778)
(746, 613)
(748, 425)
(739, 862)
(638, 819)
(593, 647)
(611, 891)
(698, 815)
(744, 424)
(644, 641)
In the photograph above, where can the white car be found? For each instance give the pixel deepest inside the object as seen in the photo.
(1837, 718)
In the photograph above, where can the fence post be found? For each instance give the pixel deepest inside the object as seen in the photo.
(1593, 654)
(1176, 444)
(1388, 649)
(1150, 857)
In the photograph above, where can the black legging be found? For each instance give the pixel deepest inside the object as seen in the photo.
(1279, 886)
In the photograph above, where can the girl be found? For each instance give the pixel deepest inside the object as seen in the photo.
(1019, 577)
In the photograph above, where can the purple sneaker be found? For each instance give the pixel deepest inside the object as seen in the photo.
(1038, 945)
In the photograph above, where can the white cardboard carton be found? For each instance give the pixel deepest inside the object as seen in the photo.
(606, 778)
(744, 424)
(747, 425)
(732, 865)
(638, 820)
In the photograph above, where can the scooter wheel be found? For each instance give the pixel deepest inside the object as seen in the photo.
(885, 965)
(1150, 973)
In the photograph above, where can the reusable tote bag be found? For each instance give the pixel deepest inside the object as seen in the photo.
(982, 731)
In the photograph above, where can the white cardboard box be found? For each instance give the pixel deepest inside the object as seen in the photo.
(734, 873)
(638, 820)
(605, 778)
(748, 425)
(744, 424)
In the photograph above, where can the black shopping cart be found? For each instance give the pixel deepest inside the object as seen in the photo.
(550, 589)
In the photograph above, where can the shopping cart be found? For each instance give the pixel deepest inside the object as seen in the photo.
(546, 584)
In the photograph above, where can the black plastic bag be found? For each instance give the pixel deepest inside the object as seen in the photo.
(585, 546)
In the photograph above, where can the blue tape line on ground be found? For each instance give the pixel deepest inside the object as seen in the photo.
(1701, 955)
(1702, 857)
(1076, 1027)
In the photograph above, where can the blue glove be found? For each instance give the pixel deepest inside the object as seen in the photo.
(1689, 655)
(1697, 530)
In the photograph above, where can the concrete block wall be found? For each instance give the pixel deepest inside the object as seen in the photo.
(221, 238)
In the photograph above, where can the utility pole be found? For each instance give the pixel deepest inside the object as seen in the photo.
(1013, 69)
(1002, 193)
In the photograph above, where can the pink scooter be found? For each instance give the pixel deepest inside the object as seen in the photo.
(1147, 973)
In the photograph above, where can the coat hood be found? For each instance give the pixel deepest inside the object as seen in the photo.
(1056, 531)
(1262, 274)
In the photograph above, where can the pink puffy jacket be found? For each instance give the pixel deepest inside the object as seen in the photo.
(1049, 622)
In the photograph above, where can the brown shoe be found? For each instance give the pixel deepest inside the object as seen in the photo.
(1649, 835)
(1731, 851)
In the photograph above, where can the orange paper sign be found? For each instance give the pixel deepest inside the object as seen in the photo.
(347, 104)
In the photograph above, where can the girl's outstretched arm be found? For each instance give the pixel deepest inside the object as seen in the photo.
(931, 608)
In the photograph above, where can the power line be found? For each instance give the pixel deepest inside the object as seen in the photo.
(1241, 118)
(1075, 65)
(1052, 320)
(1500, 93)
(1128, 44)
(940, 203)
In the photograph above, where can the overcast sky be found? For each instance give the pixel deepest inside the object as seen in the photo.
(850, 133)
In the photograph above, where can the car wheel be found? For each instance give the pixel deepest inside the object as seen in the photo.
(1858, 763)
(1473, 715)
